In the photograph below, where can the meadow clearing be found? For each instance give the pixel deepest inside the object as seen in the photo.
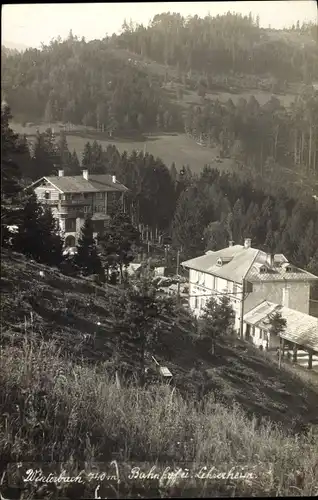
(177, 148)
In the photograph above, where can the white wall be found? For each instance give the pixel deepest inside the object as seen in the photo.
(204, 286)
(298, 295)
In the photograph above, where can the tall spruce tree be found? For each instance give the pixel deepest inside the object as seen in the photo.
(87, 258)
(52, 242)
(10, 174)
(28, 239)
(37, 235)
(218, 319)
(118, 242)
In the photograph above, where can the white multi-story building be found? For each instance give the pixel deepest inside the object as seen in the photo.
(248, 276)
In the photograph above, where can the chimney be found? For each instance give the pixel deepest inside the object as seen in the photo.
(114, 179)
(247, 243)
(61, 173)
(231, 243)
(85, 174)
(270, 259)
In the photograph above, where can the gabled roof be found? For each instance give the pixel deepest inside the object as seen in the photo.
(77, 183)
(300, 328)
(246, 263)
(234, 270)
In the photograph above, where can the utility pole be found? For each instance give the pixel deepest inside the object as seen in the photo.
(242, 309)
(178, 262)
(177, 271)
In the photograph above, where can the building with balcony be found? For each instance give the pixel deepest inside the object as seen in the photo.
(248, 276)
(74, 198)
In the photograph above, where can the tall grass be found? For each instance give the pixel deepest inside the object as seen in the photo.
(57, 411)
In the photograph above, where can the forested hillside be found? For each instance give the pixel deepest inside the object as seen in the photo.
(228, 44)
(264, 137)
(78, 82)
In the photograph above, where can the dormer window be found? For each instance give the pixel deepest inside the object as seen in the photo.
(263, 269)
(223, 260)
(289, 268)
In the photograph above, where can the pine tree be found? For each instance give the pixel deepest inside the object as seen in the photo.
(52, 242)
(63, 154)
(43, 157)
(173, 173)
(10, 171)
(87, 156)
(28, 240)
(87, 258)
(139, 320)
(188, 223)
(75, 168)
(118, 242)
(11, 150)
(277, 325)
(217, 320)
(37, 235)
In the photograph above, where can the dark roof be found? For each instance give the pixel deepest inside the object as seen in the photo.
(245, 263)
(77, 183)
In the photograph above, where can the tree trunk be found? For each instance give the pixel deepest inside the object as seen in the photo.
(295, 146)
(315, 155)
(213, 346)
(302, 147)
(310, 146)
(275, 144)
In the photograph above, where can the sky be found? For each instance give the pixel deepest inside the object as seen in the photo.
(31, 24)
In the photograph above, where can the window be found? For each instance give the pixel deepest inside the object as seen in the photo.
(99, 196)
(47, 195)
(196, 303)
(201, 278)
(70, 225)
(68, 197)
(253, 331)
(87, 209)
(202, 303)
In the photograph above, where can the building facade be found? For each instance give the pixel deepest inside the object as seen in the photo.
(248, 276)
(73, 198)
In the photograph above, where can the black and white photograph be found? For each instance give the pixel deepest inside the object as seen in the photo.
(159, 250)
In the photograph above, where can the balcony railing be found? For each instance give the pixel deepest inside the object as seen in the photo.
(44, 201)
(80, 201)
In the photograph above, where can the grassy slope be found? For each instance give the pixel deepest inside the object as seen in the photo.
(60, 409)
(236, 372)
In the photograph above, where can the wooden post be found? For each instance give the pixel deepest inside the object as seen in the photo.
(295, 353)
(309, 359)
(242, 311)
(178, 262)
(281, 352)
(166, 255)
